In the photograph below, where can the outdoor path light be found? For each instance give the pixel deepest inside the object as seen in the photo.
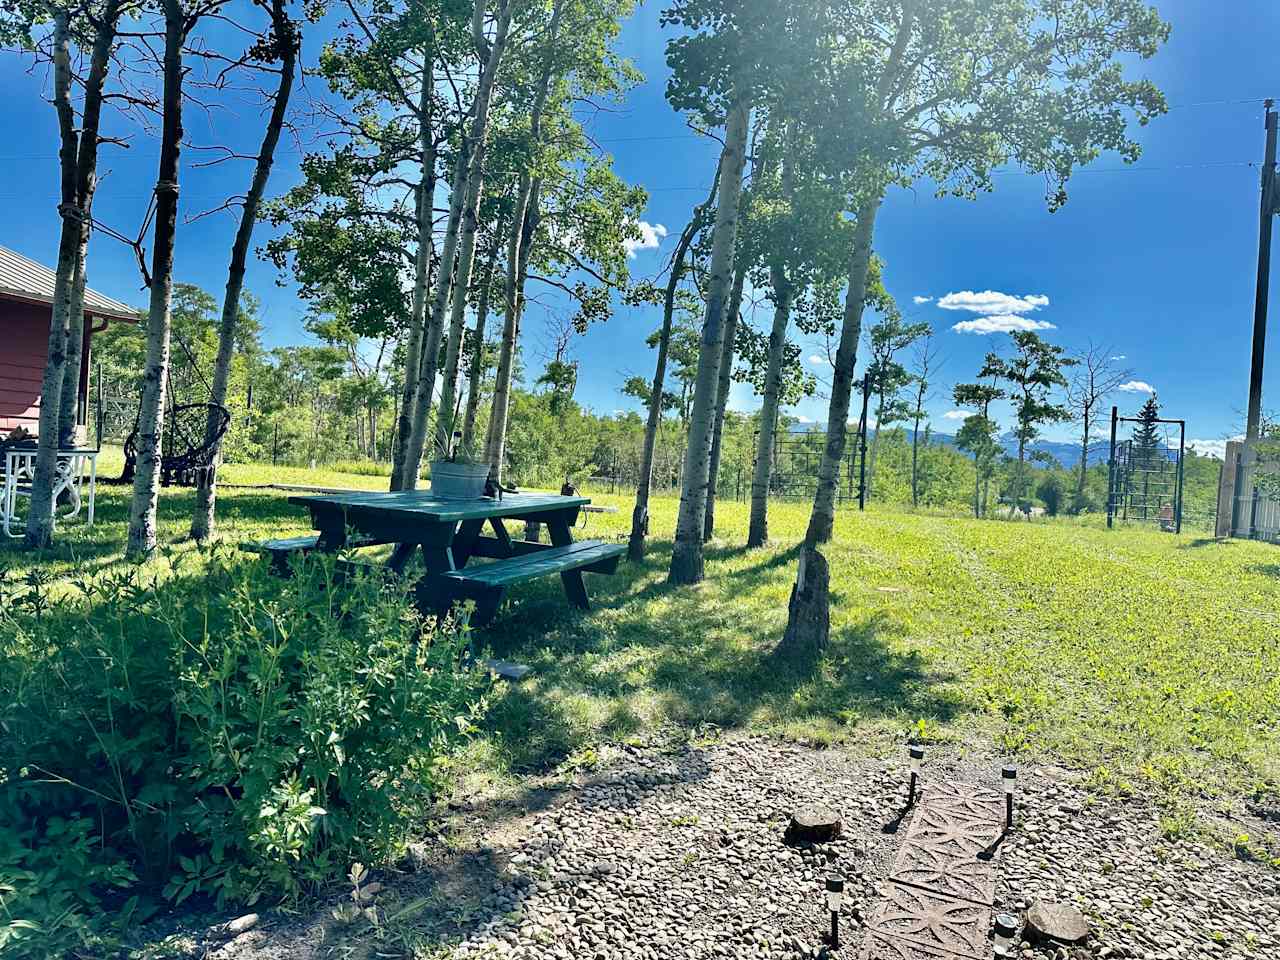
(835, 898)
(1006, 926)
(917, 755)
(1010, 776)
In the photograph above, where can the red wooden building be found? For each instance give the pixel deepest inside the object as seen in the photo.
(26, 309)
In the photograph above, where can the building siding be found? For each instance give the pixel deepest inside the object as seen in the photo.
(24, 340)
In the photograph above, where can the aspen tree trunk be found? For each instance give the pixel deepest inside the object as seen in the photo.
(424, 389)
(470, 223)
(762, 473)
(202, 514)
(809, 613)
(69, 402)
(524, 224)
(524, 228)
(475, 380)
(809, 610)
(823, 517)
(40, 520)
(686, 555)
(146, 480)
(1084, 452)
(413, 349)
(915, 445)
(722, 396)
(640, 513)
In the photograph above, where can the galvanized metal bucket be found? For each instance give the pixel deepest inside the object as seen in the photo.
(458, 481)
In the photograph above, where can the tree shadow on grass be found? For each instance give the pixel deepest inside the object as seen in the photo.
(651, 653)
(1266, 569)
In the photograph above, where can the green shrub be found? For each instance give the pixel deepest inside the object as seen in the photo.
(221, 733)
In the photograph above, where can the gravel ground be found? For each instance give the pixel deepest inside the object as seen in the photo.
(677, 853)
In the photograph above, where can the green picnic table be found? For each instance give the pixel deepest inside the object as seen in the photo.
(449, 534)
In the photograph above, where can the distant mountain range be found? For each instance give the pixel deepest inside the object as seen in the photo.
(1067, 454)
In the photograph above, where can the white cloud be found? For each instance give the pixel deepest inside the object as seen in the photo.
(801, 419)
(1137, 386)
(1119, 356)
(917, 299)
(992, 302)
(818, 360)
(955, 415)
(1212, 448)
(1001, 323)
(651, 235)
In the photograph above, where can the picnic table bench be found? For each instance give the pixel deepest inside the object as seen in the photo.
(449, 534)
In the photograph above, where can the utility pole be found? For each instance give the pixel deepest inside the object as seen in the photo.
(1268, 211)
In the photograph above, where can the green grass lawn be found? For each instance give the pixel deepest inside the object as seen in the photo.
(1148, 660)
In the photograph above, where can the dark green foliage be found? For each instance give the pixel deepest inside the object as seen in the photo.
(222, 734)
(1148, 445)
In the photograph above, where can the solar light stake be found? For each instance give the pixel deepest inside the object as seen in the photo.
(835, 897)
(1010, 777)
(917, 755)
(1005, 927)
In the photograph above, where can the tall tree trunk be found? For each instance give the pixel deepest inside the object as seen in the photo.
(78, 160)
(284, 31)
(524, 224)
(809, 612)
(475, 380)
(414, 353)
(686, 556)
(40, 520)
(524, 228)
(69, 402)
(425, 387)
(155, 374)
(921, 390)
(824, 502)
(478, 150)
(1084, 452)
(762, 472)
(722, 396)
(640, 513)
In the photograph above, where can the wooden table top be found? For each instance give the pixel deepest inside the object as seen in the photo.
(420, 505)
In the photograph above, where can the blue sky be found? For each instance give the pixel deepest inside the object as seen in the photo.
(1156, 261)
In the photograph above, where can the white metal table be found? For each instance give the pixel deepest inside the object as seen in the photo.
(20, 468)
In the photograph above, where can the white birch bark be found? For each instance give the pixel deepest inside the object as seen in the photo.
(762, 472)
(686, 556)
(725, 383)
(640, 513)
(478, 150)
(146, 480)
(39, 532)
(413, 348)
(202, 514)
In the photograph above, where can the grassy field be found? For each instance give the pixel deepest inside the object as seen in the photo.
(1145, 659)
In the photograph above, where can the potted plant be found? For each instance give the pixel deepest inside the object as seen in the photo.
(456, 473)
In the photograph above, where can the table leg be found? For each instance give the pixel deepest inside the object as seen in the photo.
(401, 556)
(464, 541)
(575, 588)
(504, 538)
(8, 504)
(93, 484)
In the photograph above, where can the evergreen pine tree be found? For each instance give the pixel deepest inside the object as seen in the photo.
(1149, 458)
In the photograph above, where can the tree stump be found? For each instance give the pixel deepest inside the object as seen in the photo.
(813, 824)
(1056, 922)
